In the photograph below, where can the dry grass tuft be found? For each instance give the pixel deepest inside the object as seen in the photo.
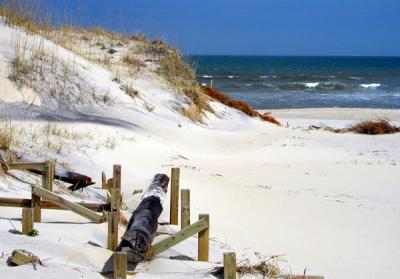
(6, 135)
(140, 38)
(98, 31)
(192, 112)
(377, 127)
(20, 69)
(133, 62)
(26, 14)
(155, 49)
(130, 90)
(265, 268)
(239, 105)
(182, 77)
(8, 140)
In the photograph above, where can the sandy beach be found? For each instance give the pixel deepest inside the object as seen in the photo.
(334, 117)
(336, 113)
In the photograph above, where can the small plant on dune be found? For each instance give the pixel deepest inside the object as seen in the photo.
(153, 50)
(98, 31)
(374, 127)
(33, 233)
(6, 135)
(130, 91)
(8, 139)
(268, 268)
(139, 37)
(136, 64)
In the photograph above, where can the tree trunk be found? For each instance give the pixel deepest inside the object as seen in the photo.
(142, 226)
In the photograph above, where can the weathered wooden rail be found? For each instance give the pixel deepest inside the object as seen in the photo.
(44, 204)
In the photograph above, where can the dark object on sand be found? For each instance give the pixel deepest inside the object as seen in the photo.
(77, 180)
(374, 127)
(142, 226)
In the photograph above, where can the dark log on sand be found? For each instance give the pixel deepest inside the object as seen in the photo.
(142, 226)
(77, 180)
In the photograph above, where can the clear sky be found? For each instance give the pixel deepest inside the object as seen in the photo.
(251, 27)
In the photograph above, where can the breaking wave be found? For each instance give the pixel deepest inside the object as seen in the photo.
(370, 85)
(300, 86)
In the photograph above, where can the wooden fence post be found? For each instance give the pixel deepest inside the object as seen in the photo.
(203, 244)
(113, 219)
(229, 265)
(120, 265)
(48, 184)
(112, 237)
(37, 212)
(117, 176)
(27, 220)
(48, 176)
(52, 171)
(174, 204)
(185, 208)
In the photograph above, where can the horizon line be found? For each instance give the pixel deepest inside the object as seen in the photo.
(297, 55)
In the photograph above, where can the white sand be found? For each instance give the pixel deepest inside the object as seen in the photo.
(340, 117)
(327, 203)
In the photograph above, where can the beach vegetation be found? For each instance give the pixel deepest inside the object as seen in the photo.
(164, 59)
(374, 127)
(239, 105)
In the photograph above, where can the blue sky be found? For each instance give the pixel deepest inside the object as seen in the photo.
(250, 27)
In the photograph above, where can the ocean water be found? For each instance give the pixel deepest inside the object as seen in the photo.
(271, 82)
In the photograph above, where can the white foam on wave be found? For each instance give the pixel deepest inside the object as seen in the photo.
(370, 85)
(268, 76)
(231, 76)
(311, 84)
(205, 76)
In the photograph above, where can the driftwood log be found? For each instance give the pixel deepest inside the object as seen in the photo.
(142, 226)
(77, 180)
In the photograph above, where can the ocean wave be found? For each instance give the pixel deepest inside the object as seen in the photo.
(206, 76)
(311, 84)
(370, 85)
(306, 77)
(263, 77)
(268, 85)
(298, 86)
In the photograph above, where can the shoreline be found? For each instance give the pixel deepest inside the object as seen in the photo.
(333, 117)
(335, 113)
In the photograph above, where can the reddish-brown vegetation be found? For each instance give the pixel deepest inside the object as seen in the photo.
(377, 127)
(239, 105)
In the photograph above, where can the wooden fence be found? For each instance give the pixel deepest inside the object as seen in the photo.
(44, 198)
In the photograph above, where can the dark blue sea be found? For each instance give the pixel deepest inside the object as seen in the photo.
(270, 82)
